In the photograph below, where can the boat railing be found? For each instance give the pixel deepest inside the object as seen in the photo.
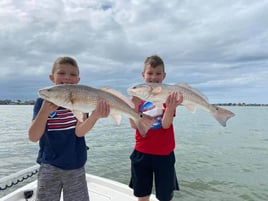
(15, 178)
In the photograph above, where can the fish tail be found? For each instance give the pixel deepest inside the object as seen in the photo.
(144, 123)
(222, 115)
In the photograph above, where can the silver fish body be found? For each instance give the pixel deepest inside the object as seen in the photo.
(83, 99)
(192, 98)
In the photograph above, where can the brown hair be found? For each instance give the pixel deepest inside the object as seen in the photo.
(65, 60)
(154, 61)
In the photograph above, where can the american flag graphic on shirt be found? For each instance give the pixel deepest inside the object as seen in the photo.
(61, 120)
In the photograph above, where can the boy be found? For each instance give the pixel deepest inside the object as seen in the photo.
(153, 156)
(63, 152)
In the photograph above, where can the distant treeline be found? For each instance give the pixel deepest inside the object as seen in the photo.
(32, 102)
(17, 102)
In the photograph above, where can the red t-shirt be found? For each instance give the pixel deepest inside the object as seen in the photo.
(158, 141)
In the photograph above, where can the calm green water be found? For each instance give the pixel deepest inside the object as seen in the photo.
(213, 163)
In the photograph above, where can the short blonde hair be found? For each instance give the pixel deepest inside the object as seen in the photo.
(65, 60)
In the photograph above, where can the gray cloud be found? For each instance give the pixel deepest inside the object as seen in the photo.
(219, 47)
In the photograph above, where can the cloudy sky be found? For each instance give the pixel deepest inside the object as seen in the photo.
(219, 47)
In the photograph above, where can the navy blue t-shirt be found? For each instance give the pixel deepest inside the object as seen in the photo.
(59, 146)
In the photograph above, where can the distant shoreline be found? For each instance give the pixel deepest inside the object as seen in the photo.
(32, 102)
(240, 104)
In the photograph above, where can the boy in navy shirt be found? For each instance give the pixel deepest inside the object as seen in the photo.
(63, 151)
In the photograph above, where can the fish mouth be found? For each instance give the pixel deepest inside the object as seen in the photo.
(130, 91)
(42, 93)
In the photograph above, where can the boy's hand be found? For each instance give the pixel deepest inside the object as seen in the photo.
(136, 102)
(173, 100)
(48, 107)
(102, 109)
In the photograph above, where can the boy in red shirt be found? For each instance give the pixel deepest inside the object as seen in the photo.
(153, 156)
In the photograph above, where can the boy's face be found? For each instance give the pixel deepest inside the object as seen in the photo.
(65, 74)
(153, 74)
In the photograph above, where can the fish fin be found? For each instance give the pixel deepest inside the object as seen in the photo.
(190, 107)
(222, 115)
(156, 90)
(144, 124)
(79, 115)
(187, 87)
(119, 94)
(117, 118)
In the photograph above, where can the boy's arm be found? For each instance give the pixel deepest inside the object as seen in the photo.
(102, 110)
(173, 100)
(38, 125)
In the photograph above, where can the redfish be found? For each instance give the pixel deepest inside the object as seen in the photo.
(192, 98)
(83, 99)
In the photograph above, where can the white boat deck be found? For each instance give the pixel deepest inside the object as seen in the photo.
(100, 189)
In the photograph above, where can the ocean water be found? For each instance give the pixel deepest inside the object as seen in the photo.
(212, 162)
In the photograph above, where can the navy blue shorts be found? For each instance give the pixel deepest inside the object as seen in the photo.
(145, 167)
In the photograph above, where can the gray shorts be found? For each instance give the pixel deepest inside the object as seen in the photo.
(52, 181)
